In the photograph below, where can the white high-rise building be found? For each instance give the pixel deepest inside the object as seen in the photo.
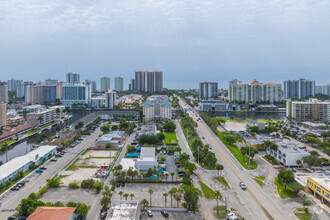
(12, 83)
(119, 84)
(92, 83)
(255, 92)
(110, 99)
(76, 93)
(148, 81)
(105, 84)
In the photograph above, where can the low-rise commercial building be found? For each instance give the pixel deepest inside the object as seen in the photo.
(217, 106)
(98, 102)
(157, 110)
(23, 163)
(147, 129)
(113, 140)
(320, 188)
(310, 110)
(41, 118)
(63, 213)
(287, 153)
(147, 159)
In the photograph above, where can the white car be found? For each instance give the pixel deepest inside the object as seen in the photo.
(231, 216)
(149, 213)
(242, 185)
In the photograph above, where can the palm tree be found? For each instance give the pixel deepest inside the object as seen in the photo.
(150, 191)
(121, 193)
(178, 199)
(176, 170)
(172, 175)
(6, 147)
(217, 197)
(172, 193)
(144, 203)
(166, 175)
(219, 167)
(131, 195)
(165, 196)
(126, 195)
(106, 199)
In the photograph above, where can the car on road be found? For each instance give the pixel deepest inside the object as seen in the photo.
(149, 213)
(231, 216)
(15, 188)
(39, 171)
(164, 213)
(53, 159)
(203, 137)
(242, 185)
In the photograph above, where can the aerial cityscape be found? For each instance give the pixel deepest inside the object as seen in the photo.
(165, 110)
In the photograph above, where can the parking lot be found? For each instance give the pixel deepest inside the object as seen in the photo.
(174, 215)
(140, 191)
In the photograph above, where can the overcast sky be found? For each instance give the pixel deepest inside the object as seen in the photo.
(189, 40)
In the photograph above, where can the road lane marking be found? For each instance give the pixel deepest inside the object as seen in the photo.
(268, 215)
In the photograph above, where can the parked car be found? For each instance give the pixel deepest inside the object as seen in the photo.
(39, 171)
(149, 213)
(181, 174)
(43, 168)
(118, 184)
(164, 213)
(18, 185)
(15, 188)
(122, 184)
(53, 159)
(103, 215)
(58, 155)
(231, 216)
(242, 185)
(179, 166)
(177, 162)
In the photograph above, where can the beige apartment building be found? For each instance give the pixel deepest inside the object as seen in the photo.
(255, 92)
(41, 118)
(311, 110)
(3, 114)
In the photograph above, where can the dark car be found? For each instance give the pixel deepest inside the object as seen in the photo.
(53, 159)
(103, 215)
(118, 184)
(18, 185)
(181, 172)
(43, 168)
(12, 218)
(15, 188)
(164, 213)
(179, 166)
(58, 155)
(21, 183)
(122, 184)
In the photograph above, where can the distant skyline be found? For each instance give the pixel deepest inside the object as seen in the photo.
(190, 41)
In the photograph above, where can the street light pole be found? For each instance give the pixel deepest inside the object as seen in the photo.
(249, 156)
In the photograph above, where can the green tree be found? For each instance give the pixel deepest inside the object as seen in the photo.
(82, 209)
(120, 194)
(126, 195)
(144, 204)
(28, 205)
(285, 177)
(217, 197)
(172, 192)
(150, 191)
(299, 163)
(191, 196)
(97, 186)
(131, 195)
(219, 168)
(169, 126)
(312, 160)
(165, 197)
(161, 136)
(172, 175)
(54, 182)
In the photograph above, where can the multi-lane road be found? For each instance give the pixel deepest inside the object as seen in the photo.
(11, 199)
(258, 204)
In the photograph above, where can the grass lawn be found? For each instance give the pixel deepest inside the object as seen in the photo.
(266, 121)
(8, 142)
(170, 138)
(270, 161)
(303, 216)
(207, 191)
(244, 161)
(288, 193)
(222, 211)
(222, 180)
(238, 120)
(259, 180)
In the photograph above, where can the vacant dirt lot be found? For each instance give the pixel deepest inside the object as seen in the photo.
(99, 153)
(79, 175)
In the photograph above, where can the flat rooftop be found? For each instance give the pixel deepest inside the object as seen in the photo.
(325, 181)
(123, 210)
